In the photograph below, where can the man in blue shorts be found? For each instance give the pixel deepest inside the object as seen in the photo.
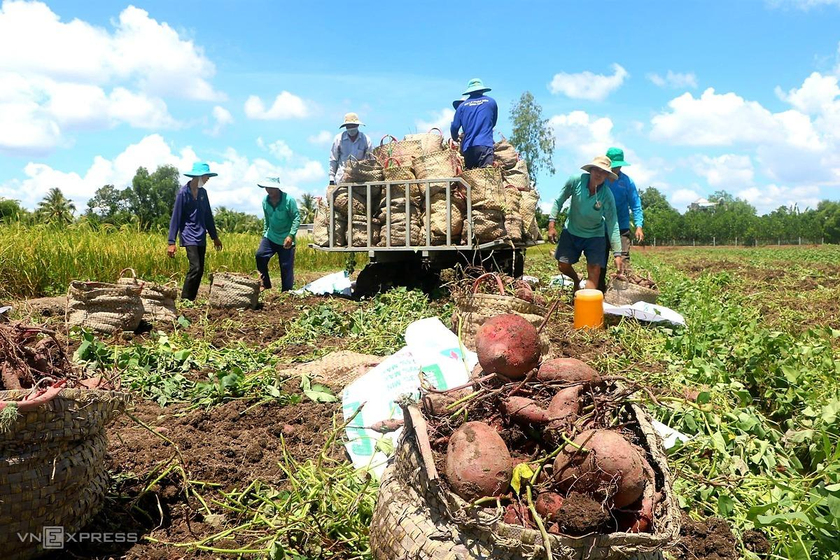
(591, 207)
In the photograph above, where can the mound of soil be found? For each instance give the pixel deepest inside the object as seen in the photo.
(711, 539)
(756, 541)
(580, 515)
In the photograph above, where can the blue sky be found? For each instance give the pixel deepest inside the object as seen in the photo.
(739, 95)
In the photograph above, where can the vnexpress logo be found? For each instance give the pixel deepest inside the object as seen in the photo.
(53, 538)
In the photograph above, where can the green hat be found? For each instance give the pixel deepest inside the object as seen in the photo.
(475, 85)
(616, 156)
(200, 169)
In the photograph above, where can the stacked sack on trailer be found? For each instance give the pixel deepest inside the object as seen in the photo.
(503, 200)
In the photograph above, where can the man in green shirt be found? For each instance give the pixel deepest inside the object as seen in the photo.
(592, 206)
(282, 220)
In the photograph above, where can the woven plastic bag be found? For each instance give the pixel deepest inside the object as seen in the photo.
(504, 153)
(399, 223)
(362, 171)
(437, 218)
(513, 218)
(430, 142)
(517, 176)
(158, 299)
(102, 307)
(231, 290)
(359, 232)
(486, 187)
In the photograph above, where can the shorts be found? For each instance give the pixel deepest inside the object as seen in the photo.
(570, 247)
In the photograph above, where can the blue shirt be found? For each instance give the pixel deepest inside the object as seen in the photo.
(477, 116)
(626, 199)
(192, 217)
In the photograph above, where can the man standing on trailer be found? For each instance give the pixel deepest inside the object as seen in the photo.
(193, 218)
(351, 142)
(477, 115)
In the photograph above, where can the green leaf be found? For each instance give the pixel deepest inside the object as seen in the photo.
(320, 393)
(386, 445)
(521, 472)
(183, 321)
(725, 505)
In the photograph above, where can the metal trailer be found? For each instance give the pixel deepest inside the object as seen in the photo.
(417, 265)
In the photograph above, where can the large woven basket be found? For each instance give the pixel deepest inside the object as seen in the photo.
(231, 290)
(517, 176)
(52, 466)
(437, 217)
(528, 211)
(102, 307)
(430, 142)
(398, 223)
(416, 516)
(504, 154)
(158, 299)
(626, 293)
(362, 171)
(442, 164)
(487, 189)
(488, 224)
(513, 218)
(395, 170)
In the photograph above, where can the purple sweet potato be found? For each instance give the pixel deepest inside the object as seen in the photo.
(568, 370)
(508, 345)
(478, 463)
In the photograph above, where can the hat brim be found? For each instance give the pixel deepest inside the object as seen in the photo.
(590, 166)
(274, 186)
(473, 90)
(201, 174)
(349, 123)
(619, 164)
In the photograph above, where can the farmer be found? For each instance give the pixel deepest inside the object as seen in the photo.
(193, 219)
(626, 198)
(351, 142)
(477, 115)
(592, 207)
(281, 225)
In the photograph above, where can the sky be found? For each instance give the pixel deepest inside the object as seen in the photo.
(735, 95)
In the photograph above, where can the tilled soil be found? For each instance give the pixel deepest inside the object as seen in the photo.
(711, 539)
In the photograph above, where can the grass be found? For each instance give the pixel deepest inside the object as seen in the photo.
(42, 260)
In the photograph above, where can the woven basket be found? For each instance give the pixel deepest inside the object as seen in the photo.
(395, 170)
(52, 466)
(625, 293)
(362, 171)
(231, 290)
(487, 189)
(513, 218)
(528, 207)
(398, 223)
(430, 142)
(442, 164)
(437, 217)
(102, 307)
(517, 176)
(320, 232)
(417, 517)
(158, 299)
(504, 154)
(359, 232)
(488, 225)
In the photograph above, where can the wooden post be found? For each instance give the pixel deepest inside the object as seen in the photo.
(800, 240)
(654, 242)
(714, 241)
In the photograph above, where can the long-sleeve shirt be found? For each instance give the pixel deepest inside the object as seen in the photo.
(192, 217)
(626, 199)
(345, 146)
(588, 212)
(281, 221)
(477, 116)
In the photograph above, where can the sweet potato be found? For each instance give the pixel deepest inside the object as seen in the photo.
(610, 467)
(568, 370)
(525, 293)
(525, 411)
(478, 463)
(565, 404)
(508, 345)
(437, 404)
(548, 504)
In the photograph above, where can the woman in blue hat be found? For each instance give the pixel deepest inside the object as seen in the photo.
(477, 115)
(282, 220)
(192, 217)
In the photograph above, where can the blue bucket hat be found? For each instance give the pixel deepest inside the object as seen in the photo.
(475, 85)
(200, 169)
(270, 182)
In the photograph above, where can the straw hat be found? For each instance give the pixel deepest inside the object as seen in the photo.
(602, 163)
(200, 169)
(351, 118)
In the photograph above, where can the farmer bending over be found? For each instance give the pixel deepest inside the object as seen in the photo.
(592, 206)
(477, 115)
(193, 218)
(281, 225)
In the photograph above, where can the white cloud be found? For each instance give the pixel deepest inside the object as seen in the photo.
(440, 119)
(804, 5)
(675, 80)
(323, 138)
(139, 110)
(222, 118)
(285, 106)
(770, 197)
(817, 93)
(586, 135)
(235, 186)
(139, 49)
(278, 149)
(25, 128)
(726, 171)
(586, 85)
(681, 198)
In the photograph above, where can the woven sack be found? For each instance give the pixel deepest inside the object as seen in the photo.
(395, 170)
(320, 231)
(488, 225)
(52, 465)
(362, 171)
(430, 142)
(359, 232)
(487, 189)
(437, 217)
(232, 290)
(442, 164)
(398, 223)
(340, 198)
(383, 152)
(504, 154)
(534, 233)
(435, 523)
(102, 307)
(513, 219)
(158, 299)
(621, 292)
(517, 176)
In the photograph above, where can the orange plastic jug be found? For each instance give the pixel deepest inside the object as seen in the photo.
(589, 309)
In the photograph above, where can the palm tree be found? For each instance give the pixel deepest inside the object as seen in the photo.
(56, 208)
(307, 208)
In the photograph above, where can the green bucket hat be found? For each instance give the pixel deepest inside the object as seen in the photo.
(200, 169)
(475, 85)
(616, 156)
